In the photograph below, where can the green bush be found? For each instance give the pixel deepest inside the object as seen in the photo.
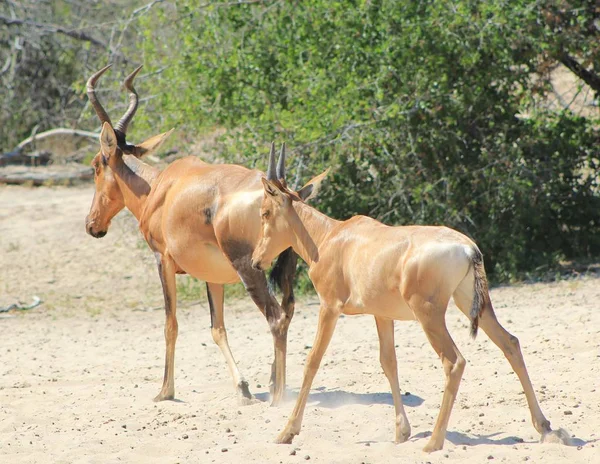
(416, 106)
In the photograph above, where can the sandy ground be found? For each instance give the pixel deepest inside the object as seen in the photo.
(78, 373)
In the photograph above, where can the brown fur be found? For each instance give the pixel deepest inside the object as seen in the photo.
(191, 214)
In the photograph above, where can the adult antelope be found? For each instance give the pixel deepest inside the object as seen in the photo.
(199, 219)
(361, 266)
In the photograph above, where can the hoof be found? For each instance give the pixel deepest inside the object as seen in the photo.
(277, 398)
(245, 398)
(164, 397)
(403, 437)
(560, 436)
(276, 401)
(245, 401)
(285, 438)
(431, 446)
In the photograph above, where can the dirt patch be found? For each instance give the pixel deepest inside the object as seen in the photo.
(78, 373)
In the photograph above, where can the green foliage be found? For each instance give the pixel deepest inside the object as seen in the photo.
(417, 107)
(429, 112)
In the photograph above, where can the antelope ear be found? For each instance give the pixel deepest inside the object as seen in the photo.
(272, 191)
(151, 144)
(108, 141)
(311, 189)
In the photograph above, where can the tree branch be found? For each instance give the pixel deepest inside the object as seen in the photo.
(590, 78)
(54, 29)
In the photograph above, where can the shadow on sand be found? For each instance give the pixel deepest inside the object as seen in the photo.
(458, 438)
(337, 398)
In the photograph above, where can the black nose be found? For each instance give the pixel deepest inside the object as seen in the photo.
(99, 234)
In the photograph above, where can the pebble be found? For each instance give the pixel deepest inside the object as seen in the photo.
(567, 413)
(490, 457)
(224, 450)
(293, 453)
(307, 457)
(185, 436)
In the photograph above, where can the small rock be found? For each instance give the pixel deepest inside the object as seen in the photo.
(567, 413)
(124, 426)
(258, 385)
(464, 447)
(224, 450)
(481, 414)
(490, 457)
(293, 453)
(307, 457)
(185, 436)
(228, 430)
(406, 393)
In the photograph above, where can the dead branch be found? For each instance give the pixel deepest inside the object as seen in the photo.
(54, 132)
(51, 28)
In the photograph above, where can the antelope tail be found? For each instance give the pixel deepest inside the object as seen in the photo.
(480, 291)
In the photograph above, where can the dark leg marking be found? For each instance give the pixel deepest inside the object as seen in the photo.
(240, 255)
(211, 305)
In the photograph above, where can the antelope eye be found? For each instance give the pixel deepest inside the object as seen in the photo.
(266, 214)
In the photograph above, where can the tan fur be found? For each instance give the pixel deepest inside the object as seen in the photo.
(197, 218)
(361, 266)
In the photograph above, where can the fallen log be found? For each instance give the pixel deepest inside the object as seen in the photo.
(46, 175)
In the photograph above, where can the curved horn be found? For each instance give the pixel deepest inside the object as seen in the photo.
(271, 175)
(281, 163)
(91, 93)
(121, 126)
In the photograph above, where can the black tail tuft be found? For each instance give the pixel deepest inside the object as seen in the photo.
(480, 291)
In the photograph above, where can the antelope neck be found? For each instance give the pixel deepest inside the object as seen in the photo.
(135, 179)
(311, 229)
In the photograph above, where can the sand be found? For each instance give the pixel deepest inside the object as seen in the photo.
(78, 373)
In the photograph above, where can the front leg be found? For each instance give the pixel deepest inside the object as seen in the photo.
(166, 271)
(327, 321)
(215, 293)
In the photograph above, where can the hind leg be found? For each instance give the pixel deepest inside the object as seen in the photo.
(255, 282)
(509, 344)
(387, 357)
(432, 319)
